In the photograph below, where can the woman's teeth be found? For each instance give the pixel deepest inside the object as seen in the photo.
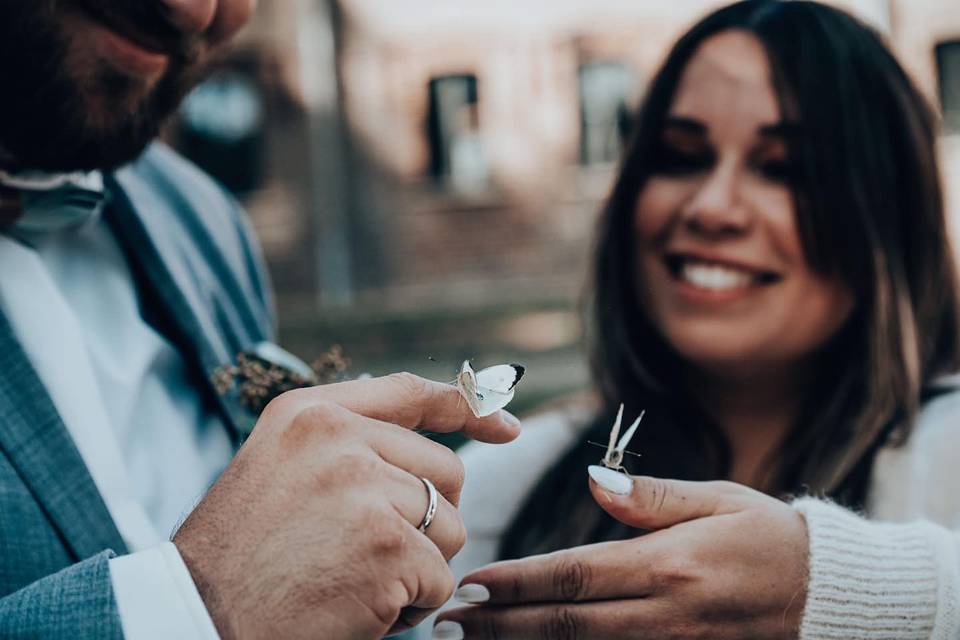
(714, 277)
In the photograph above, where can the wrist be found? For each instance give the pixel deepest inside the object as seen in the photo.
(210, 589)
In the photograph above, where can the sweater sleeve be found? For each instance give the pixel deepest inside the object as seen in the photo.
(871, 580)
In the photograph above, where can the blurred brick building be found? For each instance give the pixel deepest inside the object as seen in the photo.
(405, 156)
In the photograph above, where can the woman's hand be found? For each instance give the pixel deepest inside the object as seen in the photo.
(725, 561)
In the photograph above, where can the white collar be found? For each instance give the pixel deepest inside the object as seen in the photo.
(40, 181)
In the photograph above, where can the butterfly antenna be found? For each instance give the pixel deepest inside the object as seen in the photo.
(603, 446)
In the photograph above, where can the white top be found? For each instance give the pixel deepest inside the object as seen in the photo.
(126, 398)
(868, 579)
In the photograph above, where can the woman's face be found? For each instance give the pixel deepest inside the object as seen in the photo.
(721, 270)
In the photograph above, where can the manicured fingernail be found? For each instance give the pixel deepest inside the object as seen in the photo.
(447, 630)
(610, 480)
(472, 594)
(509, 418)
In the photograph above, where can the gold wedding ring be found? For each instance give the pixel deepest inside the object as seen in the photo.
(431, 505)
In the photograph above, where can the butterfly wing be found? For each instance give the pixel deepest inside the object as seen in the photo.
(467, 385)
(495, 387)
(614, 434)
(501, 378)
(628, 435)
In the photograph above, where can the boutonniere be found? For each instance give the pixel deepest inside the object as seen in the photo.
(265, 371)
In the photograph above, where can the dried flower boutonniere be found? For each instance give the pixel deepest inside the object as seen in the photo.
(267, 370)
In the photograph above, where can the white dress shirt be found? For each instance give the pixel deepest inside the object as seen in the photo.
(126, 398)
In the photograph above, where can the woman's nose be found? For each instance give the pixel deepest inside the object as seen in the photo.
(191, 16)
(717, 208)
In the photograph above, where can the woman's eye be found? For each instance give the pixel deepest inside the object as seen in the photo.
(676, 162)
(775, 170)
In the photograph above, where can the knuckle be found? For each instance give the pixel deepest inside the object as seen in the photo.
(571, 576)
(386, 542)
(411, 384)
(274, 408)
(516, 588)
(284, 404)
(459, 535)
(673, 570)
(416, 392)
(455, 472)
(563, 623)
(387, 602)
(308, 424)
(368, 518)
(446, 585)
(448, 472)
(724, 486)
(323, 417)
(350, 468)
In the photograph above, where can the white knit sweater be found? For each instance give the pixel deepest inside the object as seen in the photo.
(894, 576)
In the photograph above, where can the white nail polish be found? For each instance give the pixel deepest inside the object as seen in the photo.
(472, 594)
(610, 480)
(447, 630)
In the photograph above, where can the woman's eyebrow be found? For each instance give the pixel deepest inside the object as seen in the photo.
(784, 130)
(685, 125)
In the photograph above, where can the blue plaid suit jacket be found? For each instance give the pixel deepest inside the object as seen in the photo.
(200, 282)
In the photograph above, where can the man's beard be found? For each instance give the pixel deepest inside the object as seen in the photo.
(53, 120)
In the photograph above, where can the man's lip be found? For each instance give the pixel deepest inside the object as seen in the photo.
(126, 55)
(128, 31)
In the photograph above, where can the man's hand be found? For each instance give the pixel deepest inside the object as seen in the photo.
(312, 529)
(724, 562)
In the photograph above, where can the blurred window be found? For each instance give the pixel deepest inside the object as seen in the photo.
(948, 66)
(221, 129)
(604, 113)
(456, 147)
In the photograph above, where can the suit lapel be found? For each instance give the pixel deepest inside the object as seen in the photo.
(37, 443)
(191, 307)
(170, 295)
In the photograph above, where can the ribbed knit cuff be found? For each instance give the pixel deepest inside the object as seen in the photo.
(869, 580)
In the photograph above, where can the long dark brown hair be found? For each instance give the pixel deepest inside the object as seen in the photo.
(870, 212)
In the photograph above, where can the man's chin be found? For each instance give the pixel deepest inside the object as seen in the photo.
(86, 132)
(100, 152)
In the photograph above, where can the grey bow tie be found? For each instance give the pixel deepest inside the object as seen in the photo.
(29, 213)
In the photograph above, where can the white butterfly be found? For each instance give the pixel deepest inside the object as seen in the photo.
(489, 389)
(613, 458)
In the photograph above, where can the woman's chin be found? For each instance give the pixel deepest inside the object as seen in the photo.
(724, 353)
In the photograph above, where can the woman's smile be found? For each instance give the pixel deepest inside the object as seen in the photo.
(702, 279)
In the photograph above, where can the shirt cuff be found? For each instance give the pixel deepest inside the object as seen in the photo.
(868, 580)
(156, 597)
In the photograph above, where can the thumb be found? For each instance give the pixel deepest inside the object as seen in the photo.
(656, 503)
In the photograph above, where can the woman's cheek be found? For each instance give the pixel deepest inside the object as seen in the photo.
(657, 204)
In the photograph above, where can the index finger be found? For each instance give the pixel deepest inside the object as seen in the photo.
(417, 403)
(601, 571)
